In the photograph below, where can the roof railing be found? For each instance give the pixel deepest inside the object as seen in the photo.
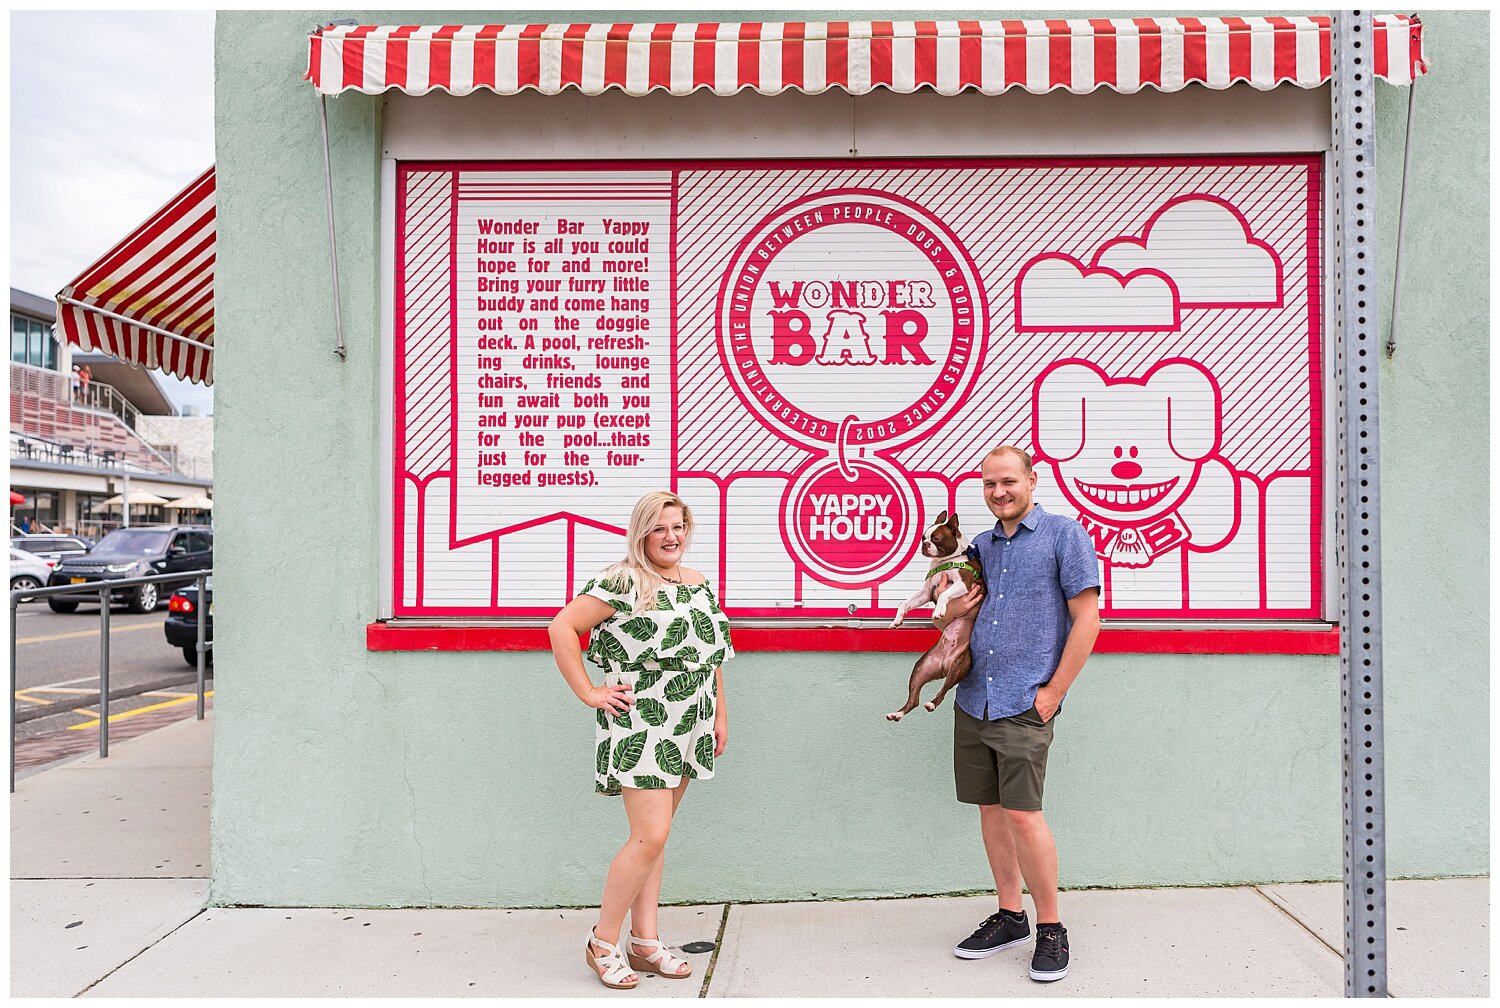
(67, 388)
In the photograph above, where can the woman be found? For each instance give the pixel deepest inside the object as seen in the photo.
(660, 638)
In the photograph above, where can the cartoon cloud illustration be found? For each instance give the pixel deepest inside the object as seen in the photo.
(1056, 291)
(1204, 244)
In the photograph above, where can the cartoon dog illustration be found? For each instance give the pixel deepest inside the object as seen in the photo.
(1138, 457)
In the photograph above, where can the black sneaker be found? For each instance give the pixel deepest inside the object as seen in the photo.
(1050, 961)
(999, 931)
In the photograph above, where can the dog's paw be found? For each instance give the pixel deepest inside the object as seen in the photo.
(893, 716)
(930, 706)
(896, 622)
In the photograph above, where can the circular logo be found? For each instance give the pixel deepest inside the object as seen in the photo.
(850, 528)
(851, 305)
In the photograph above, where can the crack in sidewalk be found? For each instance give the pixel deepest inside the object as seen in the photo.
(708, 972)
(200, 912)
(1298, 921)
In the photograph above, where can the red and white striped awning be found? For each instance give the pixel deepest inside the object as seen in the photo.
(1123, 54)
(150, 299)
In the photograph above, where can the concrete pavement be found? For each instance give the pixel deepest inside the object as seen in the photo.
(109, 881)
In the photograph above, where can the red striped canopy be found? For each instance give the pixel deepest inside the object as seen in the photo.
(150, 299)
(1124, 54)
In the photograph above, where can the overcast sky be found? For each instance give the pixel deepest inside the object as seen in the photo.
(111, 115)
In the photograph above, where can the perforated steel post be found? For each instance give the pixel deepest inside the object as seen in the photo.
(1358, 379)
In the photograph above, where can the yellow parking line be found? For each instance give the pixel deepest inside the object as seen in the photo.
(141, 710)
(90, 712)
(20, 695)
(88, 633)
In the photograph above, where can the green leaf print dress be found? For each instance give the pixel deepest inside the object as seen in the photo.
(667, 656)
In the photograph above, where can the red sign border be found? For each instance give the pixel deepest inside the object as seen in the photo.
(1273, 640)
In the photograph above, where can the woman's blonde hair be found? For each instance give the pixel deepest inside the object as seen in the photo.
(635, 567)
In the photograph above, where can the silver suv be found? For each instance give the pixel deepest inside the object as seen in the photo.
(52, 548)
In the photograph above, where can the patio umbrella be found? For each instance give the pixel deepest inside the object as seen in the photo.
(136, 497)
(16, 498)
(198, 501)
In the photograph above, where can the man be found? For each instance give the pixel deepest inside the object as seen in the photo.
(1036, 626)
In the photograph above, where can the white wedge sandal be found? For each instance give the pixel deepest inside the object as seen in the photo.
(661, 961)
(615, 970)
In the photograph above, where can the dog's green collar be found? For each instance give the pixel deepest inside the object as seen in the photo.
(954, 565)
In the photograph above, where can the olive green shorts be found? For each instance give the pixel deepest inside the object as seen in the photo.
(1001, 762)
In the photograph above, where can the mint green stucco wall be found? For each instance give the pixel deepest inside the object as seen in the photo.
(344, 777)
(1434, 400)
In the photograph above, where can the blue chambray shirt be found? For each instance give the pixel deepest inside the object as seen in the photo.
(1023, 621)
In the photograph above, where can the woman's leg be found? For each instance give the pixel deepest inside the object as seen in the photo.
(650, 815)
(643, 910)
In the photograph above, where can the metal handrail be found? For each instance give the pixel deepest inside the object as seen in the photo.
(103, 589)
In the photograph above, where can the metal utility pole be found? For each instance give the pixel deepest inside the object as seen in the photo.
(1358, 379)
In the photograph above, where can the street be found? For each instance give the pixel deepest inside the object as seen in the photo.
(57, 660)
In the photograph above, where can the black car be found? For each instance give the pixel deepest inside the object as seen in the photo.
(181, 626)
(131, 553)
(52, 548)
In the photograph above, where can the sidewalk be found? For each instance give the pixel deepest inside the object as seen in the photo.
(51, 747)
(109, 878)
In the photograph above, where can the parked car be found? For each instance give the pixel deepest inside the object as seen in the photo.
(181, 626)
(27, 570)
(136, 552)
(52, 548)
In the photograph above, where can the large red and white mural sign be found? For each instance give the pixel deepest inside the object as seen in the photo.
(816, 356)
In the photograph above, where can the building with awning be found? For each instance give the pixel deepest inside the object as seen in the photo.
(149, 300)
(489, 283)
(73, 443)
(143, 308)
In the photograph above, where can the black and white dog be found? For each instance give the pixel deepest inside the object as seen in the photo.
(950, 576)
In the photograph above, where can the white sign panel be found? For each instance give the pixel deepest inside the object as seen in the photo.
(817, 355)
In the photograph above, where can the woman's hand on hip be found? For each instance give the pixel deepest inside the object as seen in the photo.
(616, 699)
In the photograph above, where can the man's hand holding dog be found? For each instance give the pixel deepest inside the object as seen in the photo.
(960, 606)
(616, 699)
